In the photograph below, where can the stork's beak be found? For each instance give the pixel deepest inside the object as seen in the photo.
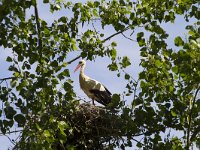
(77, 67)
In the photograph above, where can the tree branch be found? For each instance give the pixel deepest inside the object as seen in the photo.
(111, 36)
(16, 131)
(5, 79)
(38, 28)
(10, 139)
(8, 78)
(69, 62)
(190, 119)
(128, 37)
(103, 41)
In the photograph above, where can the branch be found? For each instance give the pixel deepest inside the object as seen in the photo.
(111, 36)
(38, 27)
(69, 62)
(137, 141)
(190, 119)
(128, 37)
(16, 131)
(5, 79)
(103, 41)
(8, 78)
(10, 139)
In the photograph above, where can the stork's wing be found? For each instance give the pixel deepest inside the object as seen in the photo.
(100, 93)
(102, 96)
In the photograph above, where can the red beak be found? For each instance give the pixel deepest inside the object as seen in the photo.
(77, 67)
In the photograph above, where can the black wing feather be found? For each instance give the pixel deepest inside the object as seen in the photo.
(102, 97)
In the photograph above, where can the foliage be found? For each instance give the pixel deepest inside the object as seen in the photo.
(40, 98)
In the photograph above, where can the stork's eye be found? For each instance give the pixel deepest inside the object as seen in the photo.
(80, 62)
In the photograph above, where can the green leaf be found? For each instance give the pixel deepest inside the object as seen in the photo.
(141, 42)
(142, 75)
(175, 69)
(13, 83)
(113, 44)
(54, 63)
(173, 113)
(140, 34)
(158, 63)
(113, 66)
(8, 123)
(67, 86)
(54, 81)
(63, 19)
(190, 32)
(101, 35)
(9, 59)
(9, 112)
(178, 41)
(139, 144)
(46, 133)
(21, 120)
(125, 62)
(57, 6)
(45, 1)
(115, 101)
(142, 84)
(140, 39)
(113, 54)
(66, 73)
(127, 76)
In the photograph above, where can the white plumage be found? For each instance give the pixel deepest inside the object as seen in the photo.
(92, 88)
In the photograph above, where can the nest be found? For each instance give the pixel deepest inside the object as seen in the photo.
(93, 125)
(90, 127)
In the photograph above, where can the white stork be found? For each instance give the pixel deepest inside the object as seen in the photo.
(92, 88)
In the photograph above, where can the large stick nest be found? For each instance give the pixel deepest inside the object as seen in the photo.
(94, 125)
(100, 121)
(90, 127)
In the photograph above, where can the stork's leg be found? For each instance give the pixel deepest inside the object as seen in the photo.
(93, 102)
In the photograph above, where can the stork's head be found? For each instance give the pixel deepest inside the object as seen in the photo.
(80, 64)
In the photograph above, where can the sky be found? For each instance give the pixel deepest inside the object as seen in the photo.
(97, 69)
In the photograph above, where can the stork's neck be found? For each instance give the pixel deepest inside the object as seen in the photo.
(82, 70)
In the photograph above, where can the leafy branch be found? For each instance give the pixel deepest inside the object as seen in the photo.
(8, 78)
(103, 41)
(190, 120)
(111, 36)
(38, 28)
(128, 38)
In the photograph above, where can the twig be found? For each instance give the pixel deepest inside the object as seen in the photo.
(69, 62)
(108, 38)
(95, 19)
(94, 29)
(10, 139)
(128, 37)
(129, 75)
(5, 79)
(138, 141)
(6, 83)
(16, 131)
(8, 78)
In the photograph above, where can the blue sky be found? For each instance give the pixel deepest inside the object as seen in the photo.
(98, 69)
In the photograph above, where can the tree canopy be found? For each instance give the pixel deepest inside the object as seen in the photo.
(39, 97)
